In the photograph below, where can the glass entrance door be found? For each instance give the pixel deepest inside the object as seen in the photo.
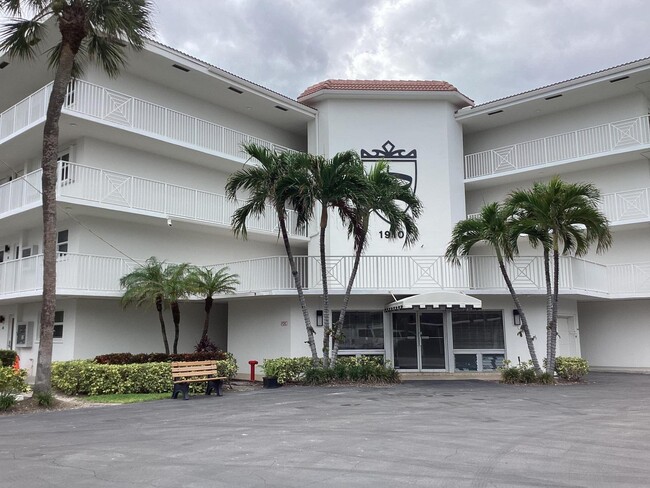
(419, 341)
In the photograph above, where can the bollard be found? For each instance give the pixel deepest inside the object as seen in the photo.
(252, 362)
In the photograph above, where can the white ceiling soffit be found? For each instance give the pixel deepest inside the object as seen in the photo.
(436, 299)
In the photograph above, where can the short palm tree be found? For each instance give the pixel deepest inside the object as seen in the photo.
(282, 181)
(100, 30)
(382, 194)
(208, 282)
(336, 184)
(144, 286)
(567, 215)
(492, 227)
(175, 289)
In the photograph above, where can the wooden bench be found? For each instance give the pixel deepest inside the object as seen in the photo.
(184, 373)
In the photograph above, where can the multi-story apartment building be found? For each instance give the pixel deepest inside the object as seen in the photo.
(155, 146)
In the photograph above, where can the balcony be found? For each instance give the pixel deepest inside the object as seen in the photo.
(134, 114)
(600, 140)
(85, 185)
(87, 275)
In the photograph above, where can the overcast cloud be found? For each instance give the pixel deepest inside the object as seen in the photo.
(486, 48)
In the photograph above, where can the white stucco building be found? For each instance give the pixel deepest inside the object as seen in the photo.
(158, 143)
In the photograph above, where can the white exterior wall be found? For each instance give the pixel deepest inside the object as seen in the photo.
(103, 326)
(616, 333)
(538, 126)
(425, 125)
(154, 92)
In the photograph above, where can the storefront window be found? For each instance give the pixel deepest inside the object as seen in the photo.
(478, 340)
(362, 330)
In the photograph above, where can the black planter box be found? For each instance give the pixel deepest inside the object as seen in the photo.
(270, 382)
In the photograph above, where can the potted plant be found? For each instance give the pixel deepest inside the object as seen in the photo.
(272, 373)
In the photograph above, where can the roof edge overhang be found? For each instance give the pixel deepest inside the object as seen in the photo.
(438, 299)
(555, 88)
(208, 69)
(452, 96)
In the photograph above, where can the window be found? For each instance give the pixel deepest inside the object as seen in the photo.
(66, 169)
(58, 325)
(361, 330)
(62, 242)
(478, 340)
(477, 330)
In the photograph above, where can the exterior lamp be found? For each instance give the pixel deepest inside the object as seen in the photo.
(516, 317)
(319, 318)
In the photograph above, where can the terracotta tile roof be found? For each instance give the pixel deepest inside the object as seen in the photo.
(378, 85)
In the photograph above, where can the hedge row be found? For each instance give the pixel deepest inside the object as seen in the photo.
(364, 369)
(7, 357)
(158, 357)
(12, 381)
(87, 377)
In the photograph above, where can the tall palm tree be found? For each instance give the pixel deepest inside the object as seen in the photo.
(208, 282)
(280, 180)
(492, 227)
(383, 194)
(337, 183)
(175, 289)
(145, 286)
(567, 215)
(99, 30)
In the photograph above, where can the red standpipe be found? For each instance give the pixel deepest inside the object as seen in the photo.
(252, 362)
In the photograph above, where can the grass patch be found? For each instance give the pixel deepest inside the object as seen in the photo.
(126, 398)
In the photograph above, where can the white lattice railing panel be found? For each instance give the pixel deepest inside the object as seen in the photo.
(589, 141)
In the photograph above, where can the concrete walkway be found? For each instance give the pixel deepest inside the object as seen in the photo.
(425, 433)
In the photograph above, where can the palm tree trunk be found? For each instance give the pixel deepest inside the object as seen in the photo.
(554, 303)
(176, 315)
(549, 308)
(336, 328)
(159, 308)
(206, 323)
(524, 321)
(326, 299)
(49, 165)
(297, 282)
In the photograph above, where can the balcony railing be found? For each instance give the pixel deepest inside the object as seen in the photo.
(591, 141)
(122, 110)
(98, 275)
(109, 189)
(619, 207)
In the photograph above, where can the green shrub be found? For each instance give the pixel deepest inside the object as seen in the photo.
(364, 369)
(44, 398)
(523, 373)
(13, 381)
(159, 357)
(7, 357)
(286, 369)
(87, 377)
(7, 400)
(571, 368)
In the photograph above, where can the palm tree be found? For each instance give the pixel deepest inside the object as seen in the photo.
(145, 286)
(492, 227)
(567, 215)
(208, 282)
(280, 180)
(100, 30)
(175, 289)
(337, 183)
(386, 195)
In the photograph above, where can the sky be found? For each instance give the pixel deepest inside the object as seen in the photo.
(488, 49)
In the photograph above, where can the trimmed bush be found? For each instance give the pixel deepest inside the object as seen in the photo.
(523, 373)
(7, 357)
(571, 368)
(7, 400)
(286, 369)
(158, 357)
(13, 381)
(87, 377)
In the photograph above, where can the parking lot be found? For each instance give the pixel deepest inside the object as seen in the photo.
(425, 433)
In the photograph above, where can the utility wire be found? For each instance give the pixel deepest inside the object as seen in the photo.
(75, 219)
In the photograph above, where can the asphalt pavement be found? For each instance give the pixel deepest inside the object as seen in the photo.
(427, 433)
